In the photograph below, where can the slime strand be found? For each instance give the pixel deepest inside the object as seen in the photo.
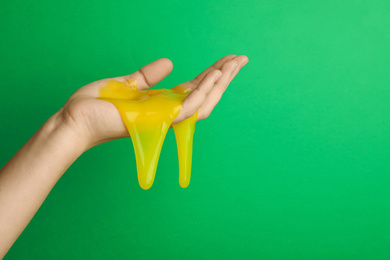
(147, 116)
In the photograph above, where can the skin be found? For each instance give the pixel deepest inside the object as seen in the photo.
(84, 122)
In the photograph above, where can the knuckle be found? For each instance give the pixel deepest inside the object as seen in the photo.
(217, 73)
(190, 113)
(200, 95)
(232, 63)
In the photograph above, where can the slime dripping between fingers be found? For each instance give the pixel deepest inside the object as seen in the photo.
(147, 115)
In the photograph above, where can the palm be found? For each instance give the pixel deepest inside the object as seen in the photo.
(102, 120)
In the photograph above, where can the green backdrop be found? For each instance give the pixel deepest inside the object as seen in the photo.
(292, 164)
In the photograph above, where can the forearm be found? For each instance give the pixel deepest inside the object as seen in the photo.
(26, 180)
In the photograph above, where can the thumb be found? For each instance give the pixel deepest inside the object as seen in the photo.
(152, 73)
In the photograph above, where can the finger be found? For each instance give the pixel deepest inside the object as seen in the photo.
(229, 70)
(242, 61)
(152, 73)
(195, 99)
(216, 66)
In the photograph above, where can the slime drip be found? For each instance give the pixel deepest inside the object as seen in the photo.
(147, 116)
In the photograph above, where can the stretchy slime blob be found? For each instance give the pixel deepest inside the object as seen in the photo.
(147, 116)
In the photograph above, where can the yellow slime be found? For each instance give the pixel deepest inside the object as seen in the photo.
(147, 116)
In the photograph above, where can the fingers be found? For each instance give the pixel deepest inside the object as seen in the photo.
(242, 61)
(152, 73)
(195, 99)
(229, 71)
(208, 86)
(216, 66)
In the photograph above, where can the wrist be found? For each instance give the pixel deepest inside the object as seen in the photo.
(71, 134)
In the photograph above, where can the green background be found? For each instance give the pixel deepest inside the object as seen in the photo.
(292, 164)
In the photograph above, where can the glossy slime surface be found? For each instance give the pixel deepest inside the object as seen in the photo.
(147, 116)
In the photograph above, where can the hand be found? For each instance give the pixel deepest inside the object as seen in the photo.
(99, 121)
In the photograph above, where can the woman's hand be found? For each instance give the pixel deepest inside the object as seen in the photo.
(99, 121)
